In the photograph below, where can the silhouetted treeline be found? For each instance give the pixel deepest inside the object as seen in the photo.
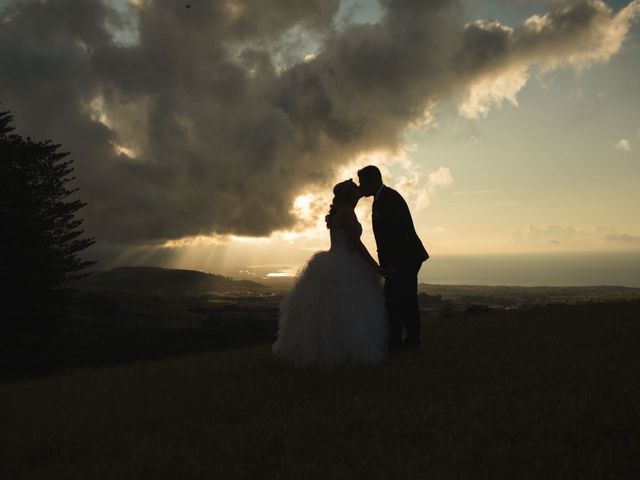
(40, 235)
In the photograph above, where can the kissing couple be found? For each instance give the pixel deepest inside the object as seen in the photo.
(344, 306)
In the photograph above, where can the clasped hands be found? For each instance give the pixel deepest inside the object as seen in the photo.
(387, 272)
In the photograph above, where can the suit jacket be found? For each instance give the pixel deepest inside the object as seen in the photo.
(396, 237)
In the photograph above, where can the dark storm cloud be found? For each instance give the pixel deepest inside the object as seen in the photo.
(204, 124)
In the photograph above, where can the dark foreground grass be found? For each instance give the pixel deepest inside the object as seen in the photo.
(548, 393)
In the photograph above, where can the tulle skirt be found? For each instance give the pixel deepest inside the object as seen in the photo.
(335, 313)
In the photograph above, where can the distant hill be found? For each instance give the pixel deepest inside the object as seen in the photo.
(165, 281)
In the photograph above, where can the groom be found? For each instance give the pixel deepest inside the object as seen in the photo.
(401, 254)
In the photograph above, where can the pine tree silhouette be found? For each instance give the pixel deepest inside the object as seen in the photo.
(39, 231)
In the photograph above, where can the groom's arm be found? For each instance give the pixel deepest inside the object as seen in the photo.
(399, 227)
(409, 243)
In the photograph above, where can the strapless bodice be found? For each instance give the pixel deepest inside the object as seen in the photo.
(340, 239)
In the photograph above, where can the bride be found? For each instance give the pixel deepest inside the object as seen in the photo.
(335, 311)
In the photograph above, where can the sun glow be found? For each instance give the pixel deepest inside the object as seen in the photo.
(302, 206)
(201, 240)
(285, 250)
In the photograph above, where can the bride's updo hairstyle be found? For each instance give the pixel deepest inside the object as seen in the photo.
(343, 194)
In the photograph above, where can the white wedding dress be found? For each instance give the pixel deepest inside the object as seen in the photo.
(335, 312)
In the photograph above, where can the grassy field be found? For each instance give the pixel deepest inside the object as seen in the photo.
(551, 392)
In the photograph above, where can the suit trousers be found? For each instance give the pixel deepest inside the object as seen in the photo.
(401, 298)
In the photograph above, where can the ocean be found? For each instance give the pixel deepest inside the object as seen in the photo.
(526, 270)
(557, 269)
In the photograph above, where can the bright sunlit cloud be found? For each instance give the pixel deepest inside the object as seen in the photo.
(493, 91)
(545, 42)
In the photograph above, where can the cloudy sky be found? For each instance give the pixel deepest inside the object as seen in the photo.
(209, 136)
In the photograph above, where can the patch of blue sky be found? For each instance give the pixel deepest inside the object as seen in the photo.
(358, 11)
(126, 32)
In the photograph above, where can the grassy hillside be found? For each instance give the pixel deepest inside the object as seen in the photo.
(550, 392)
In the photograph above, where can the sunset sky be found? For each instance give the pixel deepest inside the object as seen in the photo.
(209, 137)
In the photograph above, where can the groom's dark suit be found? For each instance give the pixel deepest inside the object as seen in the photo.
(399, 245)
